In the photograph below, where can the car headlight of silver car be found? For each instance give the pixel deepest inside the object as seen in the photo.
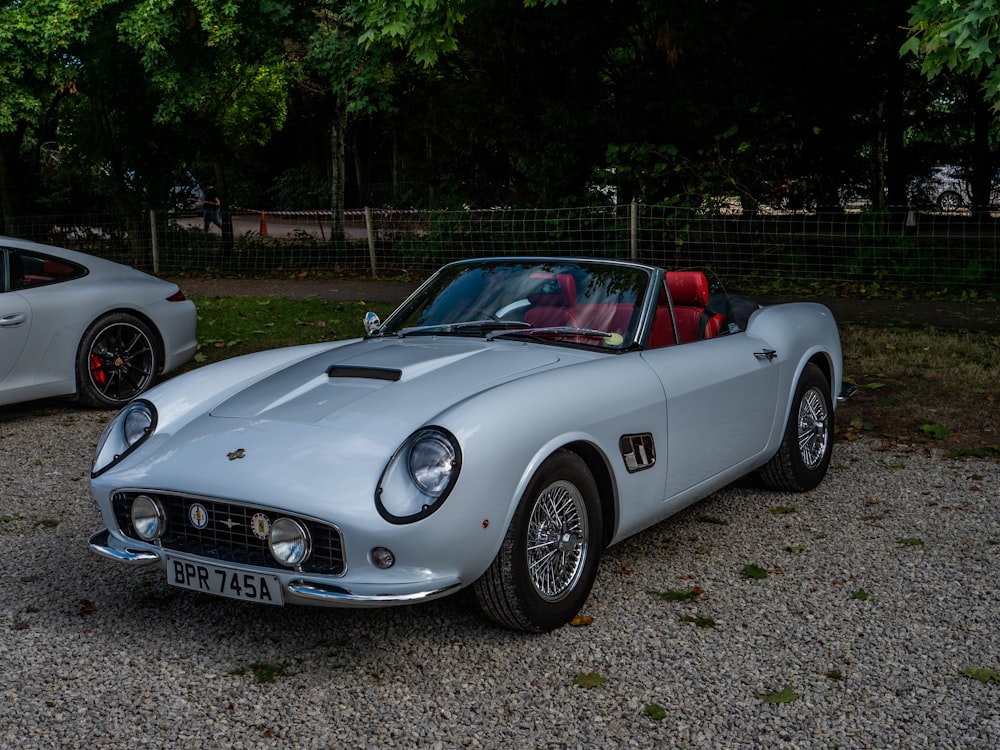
(126, 432)
(419, 476)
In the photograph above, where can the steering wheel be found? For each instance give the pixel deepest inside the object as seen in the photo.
(485, 312)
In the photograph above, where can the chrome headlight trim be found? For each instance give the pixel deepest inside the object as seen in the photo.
(289, 542)
(419, 476)
(148, 518)
(127, 431)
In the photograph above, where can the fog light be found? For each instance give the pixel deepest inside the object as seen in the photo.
(383, 558)
(289, 542)
(148, 518)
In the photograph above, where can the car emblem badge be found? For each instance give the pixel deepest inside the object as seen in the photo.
(198, 516)
(238, 453)
(230, 524)
(260, 524)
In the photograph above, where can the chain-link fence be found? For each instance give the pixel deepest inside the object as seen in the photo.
(895, 246)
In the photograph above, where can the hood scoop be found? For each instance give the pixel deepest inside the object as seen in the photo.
(360, 371)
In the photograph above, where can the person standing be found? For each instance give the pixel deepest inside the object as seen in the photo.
(212, 208)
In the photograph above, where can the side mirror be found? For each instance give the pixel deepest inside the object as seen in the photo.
(372, 323)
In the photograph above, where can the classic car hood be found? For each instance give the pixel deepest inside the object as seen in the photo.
(366, 385)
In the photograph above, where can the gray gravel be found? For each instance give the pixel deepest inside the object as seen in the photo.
(94, 655)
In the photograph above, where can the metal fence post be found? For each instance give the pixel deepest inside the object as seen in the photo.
(634, 231)
(371, 239)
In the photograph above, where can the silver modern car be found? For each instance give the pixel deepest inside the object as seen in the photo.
(79, 326)
(510, 420)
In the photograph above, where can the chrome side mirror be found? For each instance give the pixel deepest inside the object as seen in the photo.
(372, 323)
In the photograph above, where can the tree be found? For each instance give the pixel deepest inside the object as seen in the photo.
(961, 36)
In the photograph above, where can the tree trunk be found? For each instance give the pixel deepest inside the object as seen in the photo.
(11, 187)
(338, 134)
(982, 161)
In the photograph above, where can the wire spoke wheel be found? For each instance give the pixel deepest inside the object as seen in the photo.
(813, 432)
(807, 443)
(557, 540)
(547, 562)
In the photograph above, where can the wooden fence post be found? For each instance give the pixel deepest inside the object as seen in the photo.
(371, 239)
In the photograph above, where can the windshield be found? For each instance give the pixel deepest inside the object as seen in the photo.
(590, 303)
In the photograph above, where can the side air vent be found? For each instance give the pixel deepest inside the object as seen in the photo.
(638, 451)
(371, 373)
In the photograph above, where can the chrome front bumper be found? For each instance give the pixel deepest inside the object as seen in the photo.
(302, 590)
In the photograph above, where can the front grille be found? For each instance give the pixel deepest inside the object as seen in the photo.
(228, 535)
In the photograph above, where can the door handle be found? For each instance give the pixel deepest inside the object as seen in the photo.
(13, 320)
(767, 354)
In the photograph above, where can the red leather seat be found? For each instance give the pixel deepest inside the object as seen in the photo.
(689, 293)
(553, 304)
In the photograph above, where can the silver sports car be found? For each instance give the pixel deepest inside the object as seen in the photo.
(514, 417)
(75, 325)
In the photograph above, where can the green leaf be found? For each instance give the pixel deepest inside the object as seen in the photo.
(936, 431)
(785, 696)
(655, 711)
(675, 595)
(910, 541)
(860, 595)
(589, 680)
(986, 676)
(755, 572)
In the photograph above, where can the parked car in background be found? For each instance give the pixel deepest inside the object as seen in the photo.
(513, 418)
(946, 188)
(79, 326)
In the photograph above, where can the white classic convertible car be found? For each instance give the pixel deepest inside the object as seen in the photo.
(513, 417)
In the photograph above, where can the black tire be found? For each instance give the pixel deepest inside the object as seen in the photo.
(547, 564)
(804, 455)
(949, 200)
(118, 359)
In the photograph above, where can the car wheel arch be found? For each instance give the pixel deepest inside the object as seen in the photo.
(138, 315)
(600, 470)
(87, 393)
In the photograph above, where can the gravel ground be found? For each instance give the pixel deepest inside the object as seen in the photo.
(871, 636)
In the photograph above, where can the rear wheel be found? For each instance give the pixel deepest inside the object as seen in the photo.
(804, 456)
(547, 564)
(117, 360)
(949, 200)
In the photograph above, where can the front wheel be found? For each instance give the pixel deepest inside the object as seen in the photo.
(804, 455)
(117, 360)
(547, 563)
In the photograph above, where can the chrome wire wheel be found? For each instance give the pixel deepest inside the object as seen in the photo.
(557, 540)
(813, 432)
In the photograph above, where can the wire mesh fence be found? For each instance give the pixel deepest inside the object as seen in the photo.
(895, 246)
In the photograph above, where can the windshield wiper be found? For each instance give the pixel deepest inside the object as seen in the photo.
(558, 330)
(487, 324)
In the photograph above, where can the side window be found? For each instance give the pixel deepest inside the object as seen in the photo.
(27, 269)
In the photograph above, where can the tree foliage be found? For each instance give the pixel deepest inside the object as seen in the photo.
(959, 36)
(486, 102)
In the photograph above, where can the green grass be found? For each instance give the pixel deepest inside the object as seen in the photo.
(231, 326)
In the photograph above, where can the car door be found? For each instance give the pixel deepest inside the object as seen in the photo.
(15, 321)
(721, 396)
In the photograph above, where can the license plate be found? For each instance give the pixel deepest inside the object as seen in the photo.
(223, 581)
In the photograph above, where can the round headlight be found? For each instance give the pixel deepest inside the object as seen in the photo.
(136, 422)
(148, 518)
(431, 463)
(289, 542)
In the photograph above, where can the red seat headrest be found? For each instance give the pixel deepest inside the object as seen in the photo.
(688, 288)
(558, 290)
